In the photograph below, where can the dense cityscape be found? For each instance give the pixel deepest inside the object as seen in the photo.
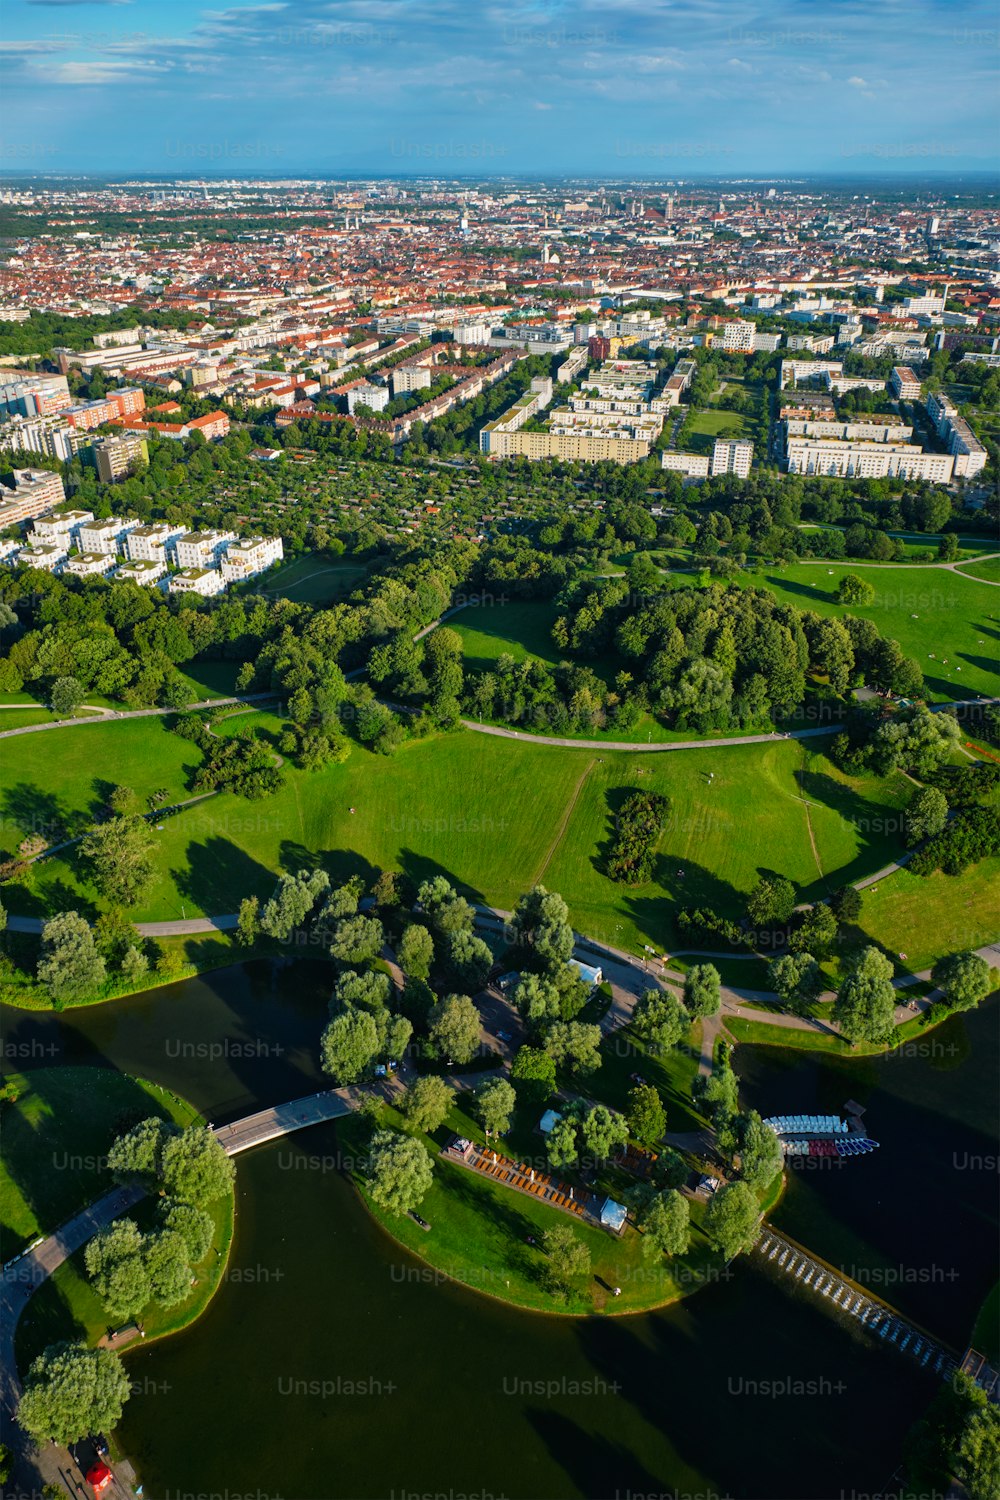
(499, 785)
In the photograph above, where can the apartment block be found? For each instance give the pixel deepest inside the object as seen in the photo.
(62, 528)
(47, 556)
(249, 556)
(691, 465)
(29, 493)
(118, 457)
(732, 456)
(406, 378)
(375, 397)
(143, 570)
(904, 385)
(89, 564)
(737, 338)
(840, 460)
(202, 549)
(107, 537)
(153, 543)
(204, 581)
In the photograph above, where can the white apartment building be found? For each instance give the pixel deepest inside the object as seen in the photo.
(105, 536)
(840, 460)
(732, 456)
(49, 556)
(691, 465)
(143, 570)
(969, 454)
(904, 385)
(8, 550)
(89, 564)
(737, 338)
(795, 371)
(376, 397)
(542, 387)
(202, 549)
(29, 493)
(874, 430)
(153, 543)
(61, 529)
(249, 556)
(204, 581)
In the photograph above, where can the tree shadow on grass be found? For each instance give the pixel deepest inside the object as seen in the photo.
(420, 868)
(340, 864)
(219, 875)
(806, 590)
(29, 810)
(879, 827)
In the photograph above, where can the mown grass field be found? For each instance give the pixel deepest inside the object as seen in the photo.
(949, 623)
(313, 579)
(989, 569)
(55, 1137)
(495, 816)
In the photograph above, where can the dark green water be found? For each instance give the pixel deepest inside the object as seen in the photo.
(331, 1364)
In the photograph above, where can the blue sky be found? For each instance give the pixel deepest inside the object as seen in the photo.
(662, 88)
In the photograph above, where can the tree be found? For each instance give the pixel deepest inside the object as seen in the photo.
(534, 1074)
(761, 1157)
(248, 922)
(137, 1154)
(495, 1101)
(71, 1391)
(467, 960)
(846, 904)
(356, 940)
(854, 590)
(965, 978)
(291, 903)
(444, 908)
(575, 1045)
(116, 1264)
(568, 1256)
(69, 964)
(660, 1020)
(167, 1263)
(647, 1119)
(349, 1044)
(194, 1226)
(733, 1218)
(114, 934)
(797, 978)
(540, 928)
(416, 951)
(815, 932)
(427, 1101)
(195, 1167)
(66, 696)
(399, 1171)
(120, 853)
(454, 1028)
(603, 1130)
(703, 990)
(771, 901)
(864, 1008)
(562, 1146)
(666, 1225)
(926, 815)
(134, 965)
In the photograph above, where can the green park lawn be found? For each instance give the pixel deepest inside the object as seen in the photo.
(701, 429)
(989, 569)
(494, 815)
(949, 623)
(926, 916)
(520, 628)
(55, 1136)
(313, 579)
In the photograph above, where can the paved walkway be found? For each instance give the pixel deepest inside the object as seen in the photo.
(108, 715)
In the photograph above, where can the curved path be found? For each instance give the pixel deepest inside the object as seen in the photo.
(110, 715)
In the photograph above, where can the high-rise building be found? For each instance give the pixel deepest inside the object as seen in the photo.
(118, 457)
(732, 456)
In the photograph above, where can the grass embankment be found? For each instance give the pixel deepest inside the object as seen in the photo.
(986, 1333)
(494, 815)
(987, 570)
(67, 1307)
(56, 1136)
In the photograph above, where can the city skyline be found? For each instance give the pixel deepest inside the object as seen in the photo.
(368, 87)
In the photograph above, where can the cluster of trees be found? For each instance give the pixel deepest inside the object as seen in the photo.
(638, 826)
(913, 739)
(958, 1439)
(240, 762)
(972, 836)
